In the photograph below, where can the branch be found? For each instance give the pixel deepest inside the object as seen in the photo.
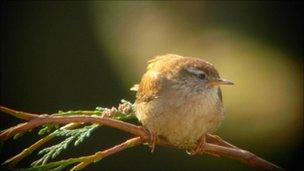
(215, 145)
(102, 154)
(242, 156)
(18, 114)
(44, 119)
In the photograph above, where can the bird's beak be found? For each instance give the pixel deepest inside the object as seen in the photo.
(219, 81)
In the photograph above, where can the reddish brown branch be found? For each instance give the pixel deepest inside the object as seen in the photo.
(44, 119)
(19, 114)
(215, 146)
(102, 154)
(242, 156)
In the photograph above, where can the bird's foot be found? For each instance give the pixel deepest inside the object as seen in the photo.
(152, 140)
(199, 147)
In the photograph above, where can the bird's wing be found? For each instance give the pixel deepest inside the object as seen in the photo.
(152, 82)
(149, 87)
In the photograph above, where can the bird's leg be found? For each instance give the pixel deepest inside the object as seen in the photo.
(199, 147)
(152, 140)
(200, 144)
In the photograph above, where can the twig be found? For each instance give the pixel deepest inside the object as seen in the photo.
(218, 147)
(102, 154)
(242, 156)
(44, 119)
(19, 114)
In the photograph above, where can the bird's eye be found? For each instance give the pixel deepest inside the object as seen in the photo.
(197, 73)
(201, 76)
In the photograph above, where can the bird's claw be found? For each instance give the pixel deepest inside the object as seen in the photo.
(199, 147)
(152, 140)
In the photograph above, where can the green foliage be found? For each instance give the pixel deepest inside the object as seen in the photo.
(75, 135)
(77, 112)
(52, 152)
(47, 128)
(18, 135)
(53, 166)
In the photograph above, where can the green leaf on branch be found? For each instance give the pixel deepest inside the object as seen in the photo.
(47, 128)
(18, 135)
(75, 135)
(77, 112)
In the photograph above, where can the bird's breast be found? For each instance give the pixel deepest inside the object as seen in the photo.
(184, 118)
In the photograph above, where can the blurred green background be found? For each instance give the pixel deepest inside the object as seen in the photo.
(79, 55)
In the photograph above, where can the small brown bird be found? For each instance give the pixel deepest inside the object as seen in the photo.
(179, 99)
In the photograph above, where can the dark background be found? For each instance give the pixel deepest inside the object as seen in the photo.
(51, 60)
